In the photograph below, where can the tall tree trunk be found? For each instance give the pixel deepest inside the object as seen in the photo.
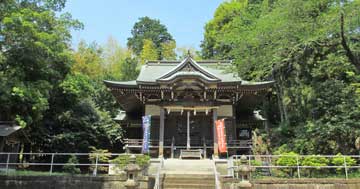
(280, 96)
(353, 59)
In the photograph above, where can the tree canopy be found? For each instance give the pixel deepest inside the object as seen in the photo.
(310, 48)
(35, 56)
(55, 93)
(148, 29)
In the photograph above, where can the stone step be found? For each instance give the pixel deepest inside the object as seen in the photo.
(188, 176)
(179, 181)
(187, 186)
(173, 165)
(185, 174)
(188, 181)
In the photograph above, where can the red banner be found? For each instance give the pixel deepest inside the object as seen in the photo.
(220, 133)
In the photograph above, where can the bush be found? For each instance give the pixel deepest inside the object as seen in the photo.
(103, 157)
(288, 159)
(316, 161)
(122, 160)
(70, 168)
(255, 163)
(338, 160)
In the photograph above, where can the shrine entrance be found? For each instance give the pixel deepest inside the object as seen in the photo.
(194, 136)
(188, 129)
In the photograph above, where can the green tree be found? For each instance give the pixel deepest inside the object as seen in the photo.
(113, 58)
(212, 45)
(310, 48)
(168, 50)
(129, 70)
(74, 120)
(148, 52)
(69, 167)
(184, 52)
(88, 60)
(35, 56)
(150, 29)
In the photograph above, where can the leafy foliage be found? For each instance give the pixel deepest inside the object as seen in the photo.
(122, 160)
(310, 48)
(168, 50)
(148, 29)
(34, 56)
(99, 156)
(148, 51)
(70, 166)
(315, 161)
(340, 160)
(288, 159)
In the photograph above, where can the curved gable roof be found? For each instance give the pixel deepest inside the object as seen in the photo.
(219, 71)
(188, 67)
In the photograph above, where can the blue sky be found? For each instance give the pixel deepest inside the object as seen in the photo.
(185, 19)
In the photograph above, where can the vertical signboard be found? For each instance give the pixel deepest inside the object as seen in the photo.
(146, 123)
(220, 131)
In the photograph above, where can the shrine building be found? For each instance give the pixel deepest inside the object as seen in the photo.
(184, 98)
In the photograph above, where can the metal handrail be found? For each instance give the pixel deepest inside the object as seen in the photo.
(216, 174)
(7, 160)
(346, 167)
(158, 173)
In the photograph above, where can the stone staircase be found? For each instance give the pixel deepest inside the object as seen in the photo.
(188, 181)
(187, 174)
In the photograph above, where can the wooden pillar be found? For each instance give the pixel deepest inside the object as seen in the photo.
(2, 144)
(161, 132)
(216, 147)
(188, 131)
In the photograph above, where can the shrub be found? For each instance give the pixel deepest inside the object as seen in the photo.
(288, 159)
(338, 160)
(69, 167)
(122, 160)
(103, 157)
(316, 161)
(255, 163)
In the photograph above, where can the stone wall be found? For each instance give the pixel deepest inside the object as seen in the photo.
(117, 182)
(66, 182)
(299, 183)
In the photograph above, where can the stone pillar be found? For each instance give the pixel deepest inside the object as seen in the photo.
(216, 147)
(161, 132)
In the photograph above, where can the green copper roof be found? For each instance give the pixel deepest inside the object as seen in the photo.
(151, 72)
(154, 72)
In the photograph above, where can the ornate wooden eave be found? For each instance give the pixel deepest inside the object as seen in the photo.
(172, 81)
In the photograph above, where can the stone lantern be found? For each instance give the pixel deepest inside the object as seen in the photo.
(132, 171)
(243, 172)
